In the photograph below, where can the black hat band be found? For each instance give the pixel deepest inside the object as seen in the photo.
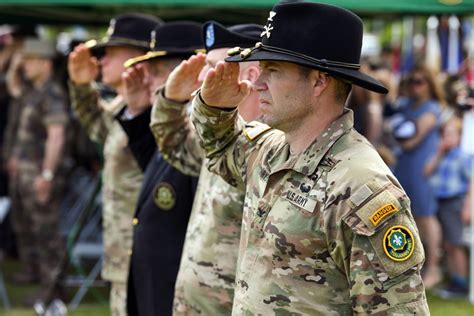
(244, 53)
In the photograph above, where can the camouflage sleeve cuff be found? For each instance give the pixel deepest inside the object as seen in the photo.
(217, 115)
(169, 104)
(162, 106)
(60, 118)
(79, 91)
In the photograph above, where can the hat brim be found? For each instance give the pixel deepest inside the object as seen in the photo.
(352, 76)
(161, 54)
(98, 48)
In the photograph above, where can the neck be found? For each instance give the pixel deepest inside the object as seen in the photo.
(422, 100)
(311, 128)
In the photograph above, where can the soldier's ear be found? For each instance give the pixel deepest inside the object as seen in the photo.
(250, 73)
(320, 81)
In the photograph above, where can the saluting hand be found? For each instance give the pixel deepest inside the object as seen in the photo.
(82, 66)
(222, 87)
(137, 93)
(183, 80)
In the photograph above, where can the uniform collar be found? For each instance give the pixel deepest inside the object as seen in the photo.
(307, 162)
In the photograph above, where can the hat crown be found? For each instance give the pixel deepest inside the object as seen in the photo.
(177, 36)
(134, 27)
(39, 48)
(316, 30)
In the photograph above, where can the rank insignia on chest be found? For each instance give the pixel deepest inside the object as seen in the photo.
(254, 132)
(165, 196)
(398, 243)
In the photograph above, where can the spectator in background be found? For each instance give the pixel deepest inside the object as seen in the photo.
(450, 171)
(11, 43)
(39, 173)
(423, 106)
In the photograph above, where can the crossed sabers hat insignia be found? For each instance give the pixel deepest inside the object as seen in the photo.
(268, 28)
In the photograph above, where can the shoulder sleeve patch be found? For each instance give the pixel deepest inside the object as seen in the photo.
(397, 245)
(253, 131)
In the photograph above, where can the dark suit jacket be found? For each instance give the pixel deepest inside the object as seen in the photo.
(161, 218)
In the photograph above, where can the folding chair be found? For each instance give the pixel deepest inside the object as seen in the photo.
(81, 222)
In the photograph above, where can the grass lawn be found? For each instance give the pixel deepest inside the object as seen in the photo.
(95, 303)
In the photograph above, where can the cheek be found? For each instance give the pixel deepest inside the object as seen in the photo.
(114, 68)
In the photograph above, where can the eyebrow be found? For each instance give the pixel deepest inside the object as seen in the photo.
(267, 63)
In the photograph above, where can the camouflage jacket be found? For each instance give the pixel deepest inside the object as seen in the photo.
(206, 278)
(121, 178)
(326, 232)
(39, 108)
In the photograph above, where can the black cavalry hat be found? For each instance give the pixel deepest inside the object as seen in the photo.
(216, 35)
(173, 39)
(132, 29)
(319, 36)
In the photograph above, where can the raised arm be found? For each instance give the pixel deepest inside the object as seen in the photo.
(83, 69)
(170, 123)
(218, 124)
(135, 118)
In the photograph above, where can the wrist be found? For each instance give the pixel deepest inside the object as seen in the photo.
(132, 112)
(174, 98)
(47, 174)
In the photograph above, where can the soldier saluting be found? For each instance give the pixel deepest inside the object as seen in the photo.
(327, 228)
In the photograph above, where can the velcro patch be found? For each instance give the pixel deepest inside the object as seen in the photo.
(360, 195)
(382, 212)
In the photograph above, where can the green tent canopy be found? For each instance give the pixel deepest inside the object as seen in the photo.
(227, 11)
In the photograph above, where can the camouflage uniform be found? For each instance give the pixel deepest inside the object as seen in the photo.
(326, 232)
(121, 178)
(206, 278)
(11, 131)
(37, 225)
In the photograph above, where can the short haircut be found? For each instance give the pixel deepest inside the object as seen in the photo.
(342, 88)
(168, 63)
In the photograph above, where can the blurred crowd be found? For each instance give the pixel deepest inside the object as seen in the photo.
(58, 116)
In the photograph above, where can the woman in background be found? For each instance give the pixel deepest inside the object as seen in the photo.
(423, 106)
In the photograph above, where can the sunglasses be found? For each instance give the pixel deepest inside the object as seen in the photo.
(416, 81)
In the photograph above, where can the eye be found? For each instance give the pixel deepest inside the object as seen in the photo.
(268, 69)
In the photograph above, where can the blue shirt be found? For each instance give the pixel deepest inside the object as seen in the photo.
(452, 175)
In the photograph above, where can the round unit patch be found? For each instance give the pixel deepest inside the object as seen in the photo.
(165, 197)
(210, 38)
(398, 243)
